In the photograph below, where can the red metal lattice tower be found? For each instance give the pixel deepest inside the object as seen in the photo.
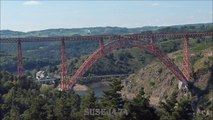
(63, 65)
(20, 67)
(152, 42)
(186, 68)
(101, 45)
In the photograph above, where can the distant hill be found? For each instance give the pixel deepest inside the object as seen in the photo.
(107, 30)
(77, 31)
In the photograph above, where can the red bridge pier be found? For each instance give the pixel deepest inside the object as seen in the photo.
(20, 67)
(152, 43)
(186, 67)
(63, 66)
(101, 45)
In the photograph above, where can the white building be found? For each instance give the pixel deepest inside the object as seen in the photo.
(40, 75)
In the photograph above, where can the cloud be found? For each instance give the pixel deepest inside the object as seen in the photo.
(155, 4)
(31, 3)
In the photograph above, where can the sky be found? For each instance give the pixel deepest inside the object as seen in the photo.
(31, 15)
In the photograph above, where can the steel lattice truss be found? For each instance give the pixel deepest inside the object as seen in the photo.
(119, 41)
(106, 37)
(99, 53)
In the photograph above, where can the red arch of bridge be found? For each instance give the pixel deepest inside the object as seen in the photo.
(105, 49)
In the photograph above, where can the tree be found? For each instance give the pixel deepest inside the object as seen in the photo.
(89, 102)
(36, 111)
(14, 113)
(140, 109)
(201, 116)
(183, 111)
(172, 109)
(112, 98)
(49, 108)
(67, 104)
(1, 114)
(168, 107)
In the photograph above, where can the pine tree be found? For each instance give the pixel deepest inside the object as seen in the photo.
(1, 114)
(112, 98)
(14, 113)
(67, 105)
(62, 108)
(140, 109)
(89, 102)
(49, 109)
(183, 111)
(203, 117)
(36, 111)
(172, 109)
(168, 107)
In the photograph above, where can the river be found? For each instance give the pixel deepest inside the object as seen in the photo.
(98, 91)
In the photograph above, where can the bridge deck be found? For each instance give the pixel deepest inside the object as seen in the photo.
(105, 37)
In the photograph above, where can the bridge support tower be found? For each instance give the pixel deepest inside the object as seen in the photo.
(63, 80)
(187, 68)
(20, 67)
(101, 45)
(152, 42)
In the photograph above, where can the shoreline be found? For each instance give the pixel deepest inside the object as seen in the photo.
(81, 87)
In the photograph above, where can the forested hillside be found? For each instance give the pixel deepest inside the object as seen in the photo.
(159, 82)
(76, 31)
(22, 99)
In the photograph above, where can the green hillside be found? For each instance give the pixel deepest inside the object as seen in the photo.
(76, 31)
(159, 82)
